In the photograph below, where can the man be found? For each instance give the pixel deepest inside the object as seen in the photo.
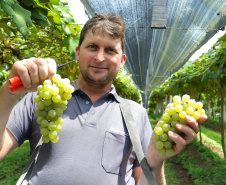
(94, 147)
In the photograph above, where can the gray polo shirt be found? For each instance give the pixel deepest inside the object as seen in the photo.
(94, 147)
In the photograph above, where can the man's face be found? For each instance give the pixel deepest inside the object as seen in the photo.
(100, 57)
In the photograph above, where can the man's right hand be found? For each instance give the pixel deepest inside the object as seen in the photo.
(32, 72)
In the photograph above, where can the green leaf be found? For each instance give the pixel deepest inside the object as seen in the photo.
(5, 27)
(204, 79)
(55, 2)
(21, 16)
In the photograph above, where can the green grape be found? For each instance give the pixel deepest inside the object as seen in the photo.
(48, 108)
(56, 98)
(45, 139)
(185, 106)
(170, 120)
(66, 81)
(43, 113)
(55, 105)
(59, 121)
(169, 152)
(44, 123)
(161, 123)
(178, 108)
(37, 98)
(191, 103)
(55, 140)
(185, 98)
(198, 105)
(201, 111)
(167, 144)
(58, 128)
(157, 137)
(54, 90)
(174, 130)
(159, 131)
(172, 110)
(39, 119)
(52, 113)
(47, 82)
(40, 105)
(61, 83)
(182, 114)
(67, 96)
(63, 106)
(52, 134)
(166, 117)
(47, 87)
(44, 131)
(37, 113)
(175, 117)
(196, 115)
(41, 93)
(163, 137)
(173, 124)
(176, 98)
(39, 88)
(162, 152)
(47, 102)
(159, 145)
(69, 88)
(166, 110)
(59, 111)
(54, 118)
(52, 126)
(182, 121)
(47, 95)
(190, 110)
(166, 127)
(56, 78)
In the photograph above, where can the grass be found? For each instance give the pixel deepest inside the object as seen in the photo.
(203, 165)
(12, 166)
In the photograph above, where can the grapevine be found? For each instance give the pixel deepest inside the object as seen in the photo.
(51, 101)
(176, 114)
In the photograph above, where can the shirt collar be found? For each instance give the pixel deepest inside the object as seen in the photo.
(112, 91)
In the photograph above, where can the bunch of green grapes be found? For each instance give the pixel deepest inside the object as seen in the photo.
(51, 101)
(173, 115)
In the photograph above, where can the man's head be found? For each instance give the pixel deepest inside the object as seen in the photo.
(110, 24)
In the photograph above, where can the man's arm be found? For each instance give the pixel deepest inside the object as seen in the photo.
(158, 174)
(32, 72)
(7, 102)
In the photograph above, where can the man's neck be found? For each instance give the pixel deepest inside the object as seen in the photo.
(94, 91)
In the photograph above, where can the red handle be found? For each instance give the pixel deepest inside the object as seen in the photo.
(15, 83)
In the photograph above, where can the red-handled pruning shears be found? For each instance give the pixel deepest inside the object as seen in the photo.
(16, 83)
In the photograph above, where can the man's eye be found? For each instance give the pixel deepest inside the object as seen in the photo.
(110, 50)
(92, 46)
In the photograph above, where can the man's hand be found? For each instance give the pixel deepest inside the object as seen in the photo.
(32, 72)
(188, 134)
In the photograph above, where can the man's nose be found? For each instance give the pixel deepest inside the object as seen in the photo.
(100, 55)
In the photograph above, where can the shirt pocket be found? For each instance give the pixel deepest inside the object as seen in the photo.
(116, 151)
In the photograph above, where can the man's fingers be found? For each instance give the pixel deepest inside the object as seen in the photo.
(192, 123)
(180, 143)
(188, 133)
(202, 119)
(52, 67)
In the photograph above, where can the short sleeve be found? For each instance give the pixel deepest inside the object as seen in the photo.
(21, 118)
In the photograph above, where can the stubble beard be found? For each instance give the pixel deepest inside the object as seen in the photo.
(90, 79)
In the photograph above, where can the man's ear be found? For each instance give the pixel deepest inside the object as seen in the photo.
(123, 61)
(77, 53)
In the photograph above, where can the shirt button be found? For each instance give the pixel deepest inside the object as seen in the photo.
(87, 102)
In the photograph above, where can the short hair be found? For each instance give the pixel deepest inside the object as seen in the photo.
(110, 24)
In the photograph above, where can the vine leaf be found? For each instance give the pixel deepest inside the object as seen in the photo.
(21, 16)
